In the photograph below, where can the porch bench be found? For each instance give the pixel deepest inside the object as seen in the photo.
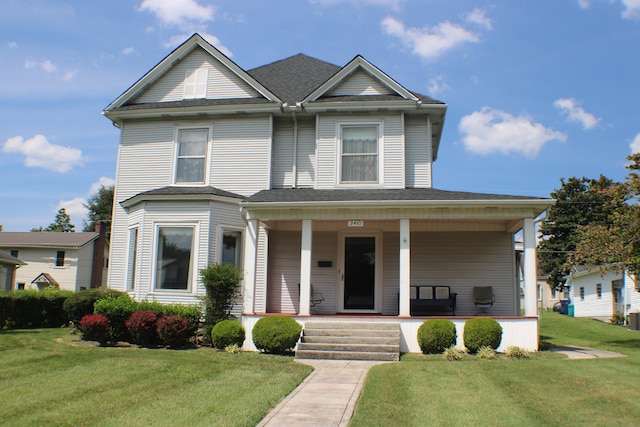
(427, 300)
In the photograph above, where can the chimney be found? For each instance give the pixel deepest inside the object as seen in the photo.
(98, 254)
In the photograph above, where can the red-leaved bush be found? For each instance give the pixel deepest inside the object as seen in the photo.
(142, 327)
(95, 327)
(175, 331)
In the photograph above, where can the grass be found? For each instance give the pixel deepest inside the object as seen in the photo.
(48, 382)
(545, 390)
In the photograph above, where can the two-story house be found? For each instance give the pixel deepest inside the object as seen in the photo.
(314, 178)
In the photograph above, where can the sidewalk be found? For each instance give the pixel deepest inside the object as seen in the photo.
(327, 397)
(575, 352)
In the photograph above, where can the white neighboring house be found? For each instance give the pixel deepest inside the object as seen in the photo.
(305, 173)
(601, 295)
(70, 261)
(8, 266)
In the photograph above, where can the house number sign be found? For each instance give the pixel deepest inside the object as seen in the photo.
(356, 223)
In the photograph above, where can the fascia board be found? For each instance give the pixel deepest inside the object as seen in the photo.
(355, 63)
(176, 197)
(144, 113)
(360, 105)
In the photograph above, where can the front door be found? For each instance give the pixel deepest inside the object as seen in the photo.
(358, 273)
(618, 297)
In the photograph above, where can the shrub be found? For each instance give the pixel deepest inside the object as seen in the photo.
(617, 319)
(117, 309)
(81, 303)
(33, 309)
(434, 336)
(221, 285)
(175, 331)
(95, 327)
(141, 326)
(276, 334)
(514, 352)
(226, 333)
(452, 353)
(233, 349)
(480, 332)
(486, 353)
(192, 313)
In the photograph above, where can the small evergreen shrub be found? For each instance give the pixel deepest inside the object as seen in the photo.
(141, 326)
(452, 353)
(175, 331)
(515, 352)
(226, 333)
(221, 285)
(480, 332)
(276, 334)
(435, 335)
(486, 353)
(95, 327)
(81, 303)
(117, 309)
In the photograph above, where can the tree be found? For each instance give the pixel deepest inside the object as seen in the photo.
(579, 202)
(61, 224)
(100, 206)
(616, 243)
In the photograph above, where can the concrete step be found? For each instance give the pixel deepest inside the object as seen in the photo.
(347, 355)
(351, 332)
(370, 348)
(348, 339)
(380, 326)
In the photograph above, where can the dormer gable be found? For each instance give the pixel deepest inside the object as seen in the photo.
(359, 82)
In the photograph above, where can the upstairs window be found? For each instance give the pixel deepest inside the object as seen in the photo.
(359, 157)
(60, 259)
(599, 290)
(195, 83)
(191, 155)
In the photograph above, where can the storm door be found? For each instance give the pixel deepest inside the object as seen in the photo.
(359, 273)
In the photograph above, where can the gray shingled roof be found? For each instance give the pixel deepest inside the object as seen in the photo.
(9, 239)
(292, 195)
(292, 79)
(7, 258)
(184, 191)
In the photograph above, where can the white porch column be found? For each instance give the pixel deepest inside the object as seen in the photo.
(530, 275)
(305, 268)
(405, 267)
(249, 263)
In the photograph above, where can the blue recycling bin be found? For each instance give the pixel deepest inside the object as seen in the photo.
(564, 306)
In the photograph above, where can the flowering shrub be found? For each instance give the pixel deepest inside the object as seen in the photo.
(142, 327)
(95, 327)
(175, 331)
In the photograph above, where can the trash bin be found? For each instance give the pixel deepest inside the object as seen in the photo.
(570, 309)
(564, 306)
(634, 321)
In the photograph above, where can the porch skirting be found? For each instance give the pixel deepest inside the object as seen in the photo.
(520, 331)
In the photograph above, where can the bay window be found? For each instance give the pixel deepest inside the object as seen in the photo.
(174, 251)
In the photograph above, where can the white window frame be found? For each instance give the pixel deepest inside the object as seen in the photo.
(132, 258)
(193, 259)
(221, 230)
(207, 154)
(380, 154)
(195, 83)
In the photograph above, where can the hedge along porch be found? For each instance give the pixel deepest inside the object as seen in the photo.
(297, 239)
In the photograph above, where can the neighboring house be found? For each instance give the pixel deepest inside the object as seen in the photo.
(602, 295)
(8, 266)
(69, 261)
(305, 173)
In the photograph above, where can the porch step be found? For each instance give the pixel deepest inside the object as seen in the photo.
(350, 341)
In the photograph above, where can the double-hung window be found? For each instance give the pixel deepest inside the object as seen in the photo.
(60, 258)
(191, 156)
(174, 257)
(359, 156)
(231, 247)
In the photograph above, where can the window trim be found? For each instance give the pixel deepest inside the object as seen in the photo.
(60, 259)
(340, 125)
(176, 151)
(132, 259)
(193, 258)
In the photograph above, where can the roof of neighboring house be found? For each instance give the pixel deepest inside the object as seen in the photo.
(178, 191)
(7, 258)
(45, 239)
(293, 195)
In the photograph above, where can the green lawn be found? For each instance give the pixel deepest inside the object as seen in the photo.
(48, 382)
(546, 390)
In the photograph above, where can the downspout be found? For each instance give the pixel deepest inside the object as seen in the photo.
(295, 150)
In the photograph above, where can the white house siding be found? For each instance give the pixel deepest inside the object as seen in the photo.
(417, 151)
(283, 272)
(602, 307)
(392, 149)
(221, 82)
(72, 276)
(306, 153)
(241, 154)
(282, 175)
(360, 83)
(262, 261)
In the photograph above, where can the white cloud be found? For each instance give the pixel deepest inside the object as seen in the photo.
(478, 16)
(40, 153)
(12, 45)
(635, 144)
(631, 9)
(177, 12)
(575, 113)
(128, 50)
(584, 4)
(489, 130)
(437, 85)
(392, 4)
(103, 181)
(69, 75)
(75, 209)
(179, 38)
(47, 65)
(429, 43)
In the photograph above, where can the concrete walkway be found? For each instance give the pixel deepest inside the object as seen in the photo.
(575, 352)
(327, 397)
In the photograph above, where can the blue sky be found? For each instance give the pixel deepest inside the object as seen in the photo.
(537, 90)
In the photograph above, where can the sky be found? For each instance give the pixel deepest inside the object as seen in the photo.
(537, 90)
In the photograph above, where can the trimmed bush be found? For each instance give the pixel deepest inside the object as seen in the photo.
(276, 334)
(117, 309)
(81, 303)
(95, 327)
(141, 326)
(221, 284)
(436, 335)
(175, 331)
(226, 333)
(482, 332)
(192, 313)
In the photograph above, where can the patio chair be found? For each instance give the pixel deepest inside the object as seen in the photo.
(315, 299)
(483, 298)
